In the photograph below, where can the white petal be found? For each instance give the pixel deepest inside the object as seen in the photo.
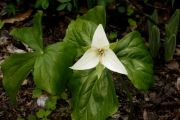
(99, 38)
(89, 60)
(111, 61)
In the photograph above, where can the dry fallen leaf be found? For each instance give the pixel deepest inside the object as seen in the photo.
(18, 17)
(145, 115)
(177, 52)
(25, 82)
(178, 83)
(173, 65)
(13, 49)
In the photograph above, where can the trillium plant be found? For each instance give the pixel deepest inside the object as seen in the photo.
(82, 63)
(100, 53)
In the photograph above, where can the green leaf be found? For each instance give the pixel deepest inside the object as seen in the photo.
(154, 35)
(20, 118)
(171, 32)
(154, 41)
(1, 24)
(154, 17)
(69, 7)
(32, 36)
(173, 24)
(170, 46)
(43, 113)
(51, 69)
(96, 15)
(31, 117)
(172, 2)
(64, 1)
(51, 103)
(80, 33)
(130, 11)
(42, 3)
(132, 52)
(37, 92)
(132, 22)
(61, 7)
(91, 3)
(102, 2)
(15, 69)
(93, 98)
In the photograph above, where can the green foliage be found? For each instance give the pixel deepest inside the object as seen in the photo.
(32, 36)
(93, 98)
(80, 32)
(50, 64)
(51, 103)
(1, 24)
(137, 60)
(96, 15)
(43, 114)
(130, 11)
(154, 35)
(51, 68)
(65, 4)
(93, 91)
(42, 4)
(31, 117)
(15, 69)
(37, 92)
(132, 22)
(112, 35)
(11, 9)
(171, 29)
(20, 118)
(92, 3)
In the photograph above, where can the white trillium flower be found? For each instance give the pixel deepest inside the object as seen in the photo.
(100, 53)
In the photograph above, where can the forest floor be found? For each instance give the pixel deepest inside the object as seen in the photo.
(161, 102)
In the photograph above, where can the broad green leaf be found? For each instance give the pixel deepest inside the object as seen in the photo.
(96, 15)
(92, 98)
(132, 52)
(42, 3)
(51, 69)
(154, 35)
(171, 32)
(32, 36)
(80, 33)
(15, 69)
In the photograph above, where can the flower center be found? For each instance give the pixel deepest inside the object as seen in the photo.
(100, 52)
